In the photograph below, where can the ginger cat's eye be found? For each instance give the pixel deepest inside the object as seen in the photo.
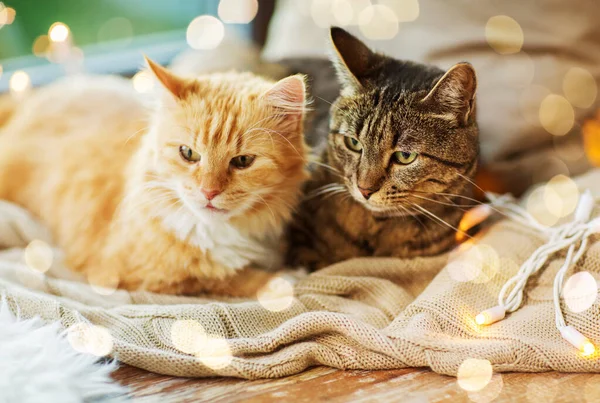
(353, 144)
(243, 161)
(188, 154)
(404, 157)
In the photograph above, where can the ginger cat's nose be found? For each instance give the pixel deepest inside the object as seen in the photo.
(210, 193)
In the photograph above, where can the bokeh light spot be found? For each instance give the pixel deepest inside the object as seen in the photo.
(237, 11)
(537, 207)
(215, 353)
(474, 374)
(342, 11)
(580, 88)
(378, 22)
(188, 336)
(19, 82)
(504, 34)
(143, 82)
(580, 291)
(321, 12)
(90, 339)
(7, 15)
(58, 32)
(205, 32)
(103, 283)
(556, 115)
(38, 256)
(478, 263)
(277, 295)
(405, 10)
(561, 196)
(41, 46)
(490, 392)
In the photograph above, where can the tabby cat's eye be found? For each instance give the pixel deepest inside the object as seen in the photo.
(404, 157)
(242, 161)
(353, 144)
(188, 154)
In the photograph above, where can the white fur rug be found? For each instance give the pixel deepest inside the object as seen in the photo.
(37, 364)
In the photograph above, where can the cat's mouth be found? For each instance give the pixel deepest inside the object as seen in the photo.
(214, 209)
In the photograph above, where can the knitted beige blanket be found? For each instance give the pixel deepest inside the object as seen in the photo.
(362, 314)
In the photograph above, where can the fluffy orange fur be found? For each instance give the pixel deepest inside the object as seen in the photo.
(125, 204)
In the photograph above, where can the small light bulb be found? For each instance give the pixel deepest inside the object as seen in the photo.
(578, 340)
(588, 349)
(491, 315)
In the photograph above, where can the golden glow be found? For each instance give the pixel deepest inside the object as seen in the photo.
(378, 22)
(41, 46)
(504, 34)
(588, 349)
(405, 10)
(474, 374)
(556, 115)
(579, 87)
(19, 82)
(237, 11)
(472, 217)
(58, 32)
(580, 291)
(205, 32)
(90, 339)
(1, 70)
(480, 319)
(143, 82)
(277, 295)
(591, 141)
(38, 256)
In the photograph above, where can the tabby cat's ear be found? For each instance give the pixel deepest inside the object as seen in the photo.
(455, 92)
(352, 59)
(175, 85)
(289, 96)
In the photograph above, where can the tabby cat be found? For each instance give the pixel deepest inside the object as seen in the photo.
(179, 205)
(398, 160)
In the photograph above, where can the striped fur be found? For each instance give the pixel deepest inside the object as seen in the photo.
(388, 105)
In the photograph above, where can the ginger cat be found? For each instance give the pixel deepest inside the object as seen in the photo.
(179, 205)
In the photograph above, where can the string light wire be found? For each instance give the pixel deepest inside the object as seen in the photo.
(572, 235)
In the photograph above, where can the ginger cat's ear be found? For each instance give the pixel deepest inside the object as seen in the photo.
(455, 92)
(175, 85)
(289, 96)
(352, 59)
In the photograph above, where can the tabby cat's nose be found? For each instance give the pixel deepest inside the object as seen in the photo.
(366, 192)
